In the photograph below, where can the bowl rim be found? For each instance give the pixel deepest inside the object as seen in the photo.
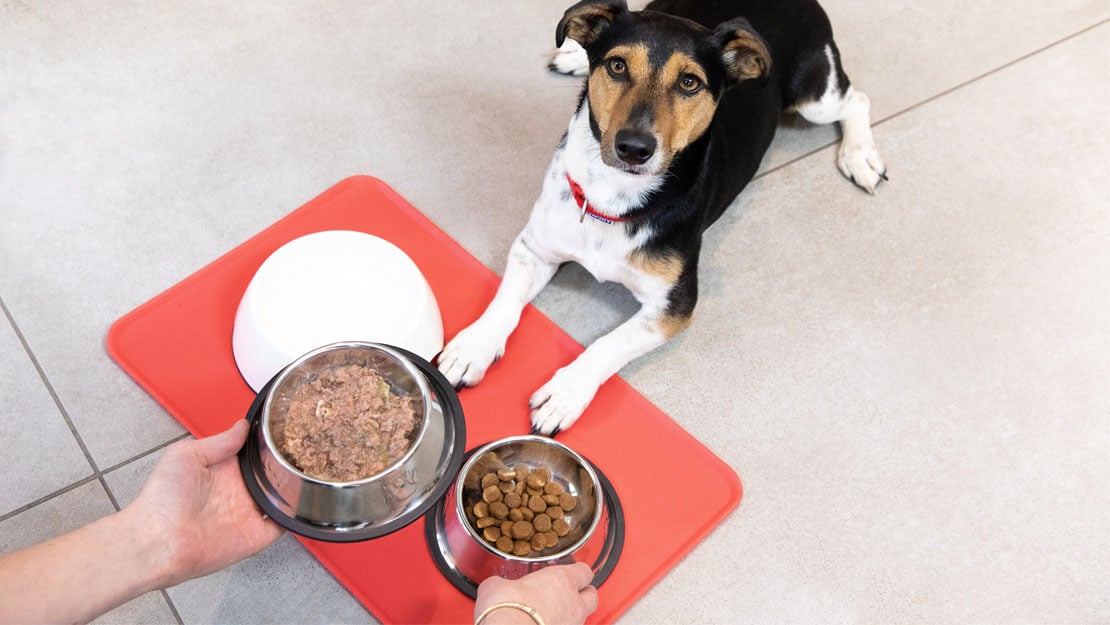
(416, 374)
(599, 510)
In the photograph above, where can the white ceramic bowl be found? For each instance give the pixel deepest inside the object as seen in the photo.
(328, 287)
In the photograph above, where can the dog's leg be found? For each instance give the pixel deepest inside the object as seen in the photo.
(858, 158)
(570, 59)
(668, 291)
(466, 358)
(559, 403)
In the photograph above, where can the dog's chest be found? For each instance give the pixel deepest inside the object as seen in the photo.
(559, 231)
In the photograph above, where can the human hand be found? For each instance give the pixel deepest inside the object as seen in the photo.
(196, 510)
(560, 595)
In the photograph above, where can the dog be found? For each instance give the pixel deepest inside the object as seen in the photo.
(679, 105)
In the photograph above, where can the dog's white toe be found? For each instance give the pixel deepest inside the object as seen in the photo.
(559, 403)
(570, 59)
(862, 164)
(466, 358)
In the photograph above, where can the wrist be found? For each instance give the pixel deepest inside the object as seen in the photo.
(151, 551)
(509, 613)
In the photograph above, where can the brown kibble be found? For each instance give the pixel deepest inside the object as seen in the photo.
(542, 523)
(536, 504)
(506, 487)
(512, 500)
(506, 475)
(538, 542)
(544, 473)
(519, 488)
(535, 481)
(486, 521)
(551, 538)
(517, 514)
(499, 509)
(481, 509)
(522, 472)
(551, 500)
(489, 479)
(491, 494)
(523, 530)
(560, 527)
(568, 502)
(527, 514)
(535, 492)
(492, 534)
(505, 544)
(522, 548)
(555, 512)
(524, 499)
(507, 527)
(553, 488)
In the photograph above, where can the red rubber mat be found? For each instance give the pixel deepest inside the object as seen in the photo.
(673, 489)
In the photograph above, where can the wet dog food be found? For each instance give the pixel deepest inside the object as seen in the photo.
(522, 510)
(347, 425)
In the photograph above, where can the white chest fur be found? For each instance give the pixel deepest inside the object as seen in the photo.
(557, 231)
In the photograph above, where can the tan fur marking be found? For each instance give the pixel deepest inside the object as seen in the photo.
(745, 56)
(671, 325)
(612, 100)
(667, 267)
(585, 24)
(681, 119)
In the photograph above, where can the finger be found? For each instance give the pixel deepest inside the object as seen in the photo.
(222, 446)
(588, 597)
(580, 574)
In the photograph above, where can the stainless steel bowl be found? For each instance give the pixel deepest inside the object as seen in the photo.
(467, 559)
(376, 505)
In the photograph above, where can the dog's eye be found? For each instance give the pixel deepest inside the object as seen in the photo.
(689, 83)
(616, 66)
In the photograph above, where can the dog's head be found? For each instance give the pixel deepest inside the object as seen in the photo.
(655, 79)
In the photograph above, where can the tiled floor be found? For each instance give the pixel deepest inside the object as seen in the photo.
(914, 387)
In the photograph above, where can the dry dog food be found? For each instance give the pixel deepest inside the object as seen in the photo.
(522, 510)
(347, 425)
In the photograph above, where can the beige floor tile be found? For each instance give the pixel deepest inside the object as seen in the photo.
(33, 431)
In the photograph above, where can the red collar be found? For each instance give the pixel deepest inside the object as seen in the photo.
(581, 202)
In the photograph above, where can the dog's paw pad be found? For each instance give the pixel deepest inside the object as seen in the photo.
(570, 59)
(862, 164)
(466, 358)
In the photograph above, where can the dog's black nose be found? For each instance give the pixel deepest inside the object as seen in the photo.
(634, 147)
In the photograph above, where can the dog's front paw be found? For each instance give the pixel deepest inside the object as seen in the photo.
(466, 358)
(570, 59)
(862, 164)
(559, 403)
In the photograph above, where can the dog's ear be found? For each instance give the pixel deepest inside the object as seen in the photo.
(743, 51)
(585, 21)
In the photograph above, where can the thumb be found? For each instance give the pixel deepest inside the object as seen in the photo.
(220, 447)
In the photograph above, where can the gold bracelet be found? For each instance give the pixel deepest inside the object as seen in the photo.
(511, 604)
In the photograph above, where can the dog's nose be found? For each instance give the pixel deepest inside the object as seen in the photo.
(634, 147)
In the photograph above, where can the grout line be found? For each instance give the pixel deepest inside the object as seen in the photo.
(99, 475)
(173, 608)
(108, 491)
(49, 388)
(994, 71)
(145, 453)
(942, 94)
(41, 500)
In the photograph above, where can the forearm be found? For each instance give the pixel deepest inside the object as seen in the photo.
(81, 575)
